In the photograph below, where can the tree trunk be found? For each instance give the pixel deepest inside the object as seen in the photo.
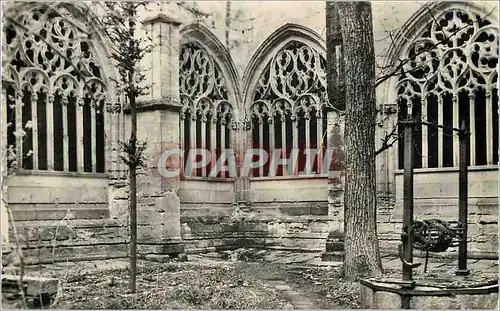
(133, 203)
(362, 257)
(133, 167)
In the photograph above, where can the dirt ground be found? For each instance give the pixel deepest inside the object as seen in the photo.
(272, 280)
(205, 285)
(240, 285)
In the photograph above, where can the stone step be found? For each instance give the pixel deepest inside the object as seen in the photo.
(332, 246)
(38, 291)
(335, 256)
(33, 286)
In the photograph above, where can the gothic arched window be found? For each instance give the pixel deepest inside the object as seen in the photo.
(288, 109)
(206, 111)
(450, 80)
(55, 93)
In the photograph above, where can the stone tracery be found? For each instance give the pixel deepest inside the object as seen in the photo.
(289, 103)
(52, 61)
(449, 79)
(206, 110)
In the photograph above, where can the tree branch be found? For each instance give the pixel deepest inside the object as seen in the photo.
(403, 62)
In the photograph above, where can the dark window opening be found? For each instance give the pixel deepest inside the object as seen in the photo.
(480, 115)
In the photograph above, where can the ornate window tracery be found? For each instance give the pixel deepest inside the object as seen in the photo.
(451, 79)
(207, 112)
(54, 92)
(289, 107)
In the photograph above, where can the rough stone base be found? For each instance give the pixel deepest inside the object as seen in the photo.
(387, 294)
(38, 290)
(334, 247)
(333, 256)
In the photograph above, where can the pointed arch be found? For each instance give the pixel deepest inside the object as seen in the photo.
(202, 36)
(285, 97)
(84, 19)
(420, 18)
(209, 92)
(452, 48)
(270, 47)
(404, 37)
(58, 65)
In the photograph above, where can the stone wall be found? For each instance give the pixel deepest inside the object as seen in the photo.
(436, 196)
(283, 214)
(206, 210)
(59, 218)
(71, 240)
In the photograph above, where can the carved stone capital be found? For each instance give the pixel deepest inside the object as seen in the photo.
(109, 107)
(117, 107)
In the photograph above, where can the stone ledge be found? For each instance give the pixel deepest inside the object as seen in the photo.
(153, 105)
(334, 256)
(173, 248)
(34, 286)
(394, 286)
(75, 253)
(379, 293)
(285, 248)
(393, 252)
(76, 223)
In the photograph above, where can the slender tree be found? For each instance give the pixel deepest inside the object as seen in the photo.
(120, 22)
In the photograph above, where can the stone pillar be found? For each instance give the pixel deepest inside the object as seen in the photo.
(336, 171)
(336, 180)
(159, 227)
(4, 225)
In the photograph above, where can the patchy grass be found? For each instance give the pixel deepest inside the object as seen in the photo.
(238, 285)
(329, 288)
(161, 286)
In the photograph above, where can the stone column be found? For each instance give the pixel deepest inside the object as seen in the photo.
(159, 227)
(4, 216)
(336, 180)
(336, 170)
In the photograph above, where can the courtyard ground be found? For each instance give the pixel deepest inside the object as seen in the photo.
(212, 281)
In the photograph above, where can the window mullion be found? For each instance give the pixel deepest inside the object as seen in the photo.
(489, 128)
(319, 138)
(34, 128)
(440, 132)
(472, 127)
(93, 135)
(456, 124)
(79, 135)
(425, 141)
(213, 144)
